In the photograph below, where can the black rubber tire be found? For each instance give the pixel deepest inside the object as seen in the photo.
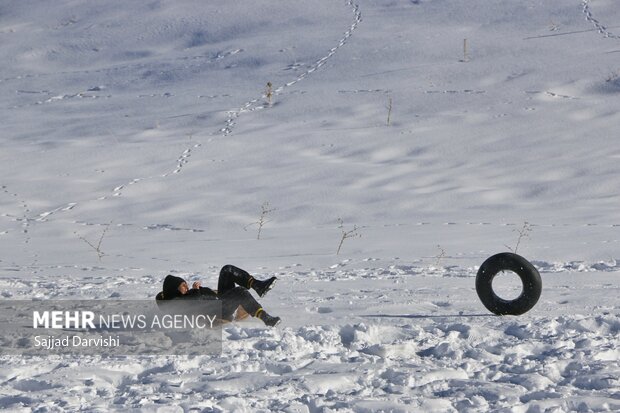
(507, 261)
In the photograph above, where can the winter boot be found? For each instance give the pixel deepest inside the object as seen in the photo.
(261, 287)
(267, 319)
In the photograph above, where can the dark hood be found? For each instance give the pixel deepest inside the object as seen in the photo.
(171, 286)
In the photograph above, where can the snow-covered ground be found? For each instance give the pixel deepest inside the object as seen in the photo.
(144, 129)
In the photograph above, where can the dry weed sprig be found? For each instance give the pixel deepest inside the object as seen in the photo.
(269, 92)
(262, 220)
(346, 234)
(97, 248)
(524, 232)
(465, 52)
(440, 256)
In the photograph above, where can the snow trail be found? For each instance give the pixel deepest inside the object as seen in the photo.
(233, 115)
(249, 106)
(602, 29)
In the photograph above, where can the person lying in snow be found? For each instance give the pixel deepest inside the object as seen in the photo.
(232, 290)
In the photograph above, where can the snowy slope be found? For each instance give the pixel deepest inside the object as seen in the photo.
(146, 126)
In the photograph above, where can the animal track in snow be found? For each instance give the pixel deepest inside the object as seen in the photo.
(168, 227)
(24, 219)
(233, 115)
(108, 70)
(365, 91)
(556, 95)
(42, 217)
(225, 95)
(253, 104)
(599, 26)
(455, 92)
(552, 94)
(250, 105)
(60, 98)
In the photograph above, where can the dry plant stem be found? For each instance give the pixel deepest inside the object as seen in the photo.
(269, 92)
(346, 234)
(465, 57)
(265, 210)
(442, 254)
(97, 248)
(524, 232)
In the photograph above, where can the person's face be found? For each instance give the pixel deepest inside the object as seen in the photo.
(183, 288)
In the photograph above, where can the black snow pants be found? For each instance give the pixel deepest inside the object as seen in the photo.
(232, 290)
